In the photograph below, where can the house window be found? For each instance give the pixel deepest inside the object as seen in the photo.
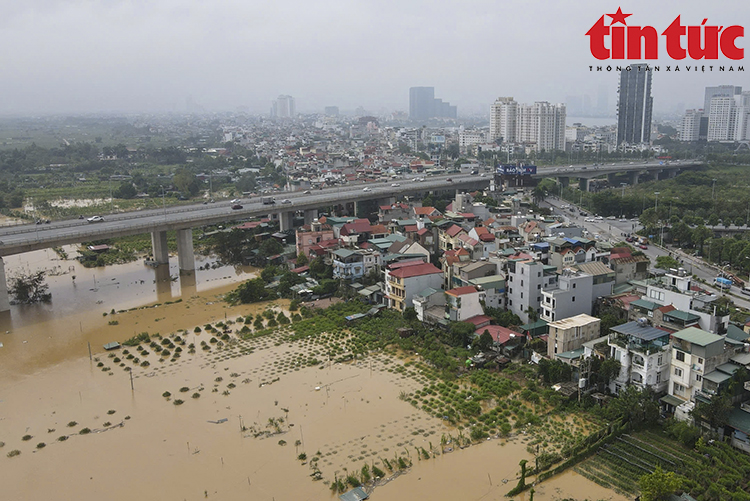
(573, 300)
(522, 295)
(539, 287)
(658, 377)
(659, 360)
(521, 283)
(678, 388)
(680, 355)
(538, 299)
(698, 377)
(539, 274)
(700, 361)
(678, 372)
(510, 290)
(574, 285)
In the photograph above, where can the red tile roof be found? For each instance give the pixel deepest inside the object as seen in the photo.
(416, 271)
(410, 228)
(500, 334)
(405, 262)
(479, 320)
(454, 230)
(460, 291)
(424, 211)
(422, 231)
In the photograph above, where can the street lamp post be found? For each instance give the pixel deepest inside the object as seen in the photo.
(623, 185)
(656, 206)
(163, 202)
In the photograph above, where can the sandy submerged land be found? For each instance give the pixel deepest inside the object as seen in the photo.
(346, 414)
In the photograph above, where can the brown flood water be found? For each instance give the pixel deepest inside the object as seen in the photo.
(347, 415)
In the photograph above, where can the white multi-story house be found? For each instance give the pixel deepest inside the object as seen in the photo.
(463, 303)
(695, 353)
(526, 279)
(644, 355)
(571, 295)
(675, 289)
(494, 290)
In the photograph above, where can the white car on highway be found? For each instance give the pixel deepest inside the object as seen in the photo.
(366, 189)
(394, 185)
(95, 219)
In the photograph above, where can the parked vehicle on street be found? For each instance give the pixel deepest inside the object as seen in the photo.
(95, 219)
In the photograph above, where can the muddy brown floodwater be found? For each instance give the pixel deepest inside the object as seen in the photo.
(227, 421)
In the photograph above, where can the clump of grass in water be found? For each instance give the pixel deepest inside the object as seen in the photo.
(14, 453)
(84, 431)
(26, 438)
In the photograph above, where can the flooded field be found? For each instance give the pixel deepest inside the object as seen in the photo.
(210, 415)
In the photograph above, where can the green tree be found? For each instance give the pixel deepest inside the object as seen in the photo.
(713, 219)
(30, 288)
(532, 313)
(125, 191)
(635, 406)
(608, 370)
(659, 485)
(186, 182)
(667, 262)
(410, 314)
(270, 247)
(682, 234)
(484, 342)
(250, 291)
(715, 412)
(461, 333)
(699, 236)
(302, 259)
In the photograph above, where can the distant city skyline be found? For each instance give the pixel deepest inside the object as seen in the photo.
(125, 56)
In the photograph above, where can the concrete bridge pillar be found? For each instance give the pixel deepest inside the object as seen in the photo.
(387, 201)
(286, 221)
(311, 215)
(565, 181)
(185, 253)
(633, 177)
(163, 283)
(4, 299)
(583, 184)
(611, 179)
(159, 247)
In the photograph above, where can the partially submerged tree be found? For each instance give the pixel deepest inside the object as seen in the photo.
(30, 288)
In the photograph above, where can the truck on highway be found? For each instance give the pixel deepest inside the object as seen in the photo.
(268, 200)
(723, 283)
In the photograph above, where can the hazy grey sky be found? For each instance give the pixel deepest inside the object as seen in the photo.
(139, 55)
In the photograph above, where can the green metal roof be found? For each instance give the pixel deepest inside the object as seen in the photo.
(739, 420)
(672, 400)
(343, 253)
(736, 333)
(642, 303)
(493, 281)
(717, 377)
(572, 355)
(682, 315)
(694, 335)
